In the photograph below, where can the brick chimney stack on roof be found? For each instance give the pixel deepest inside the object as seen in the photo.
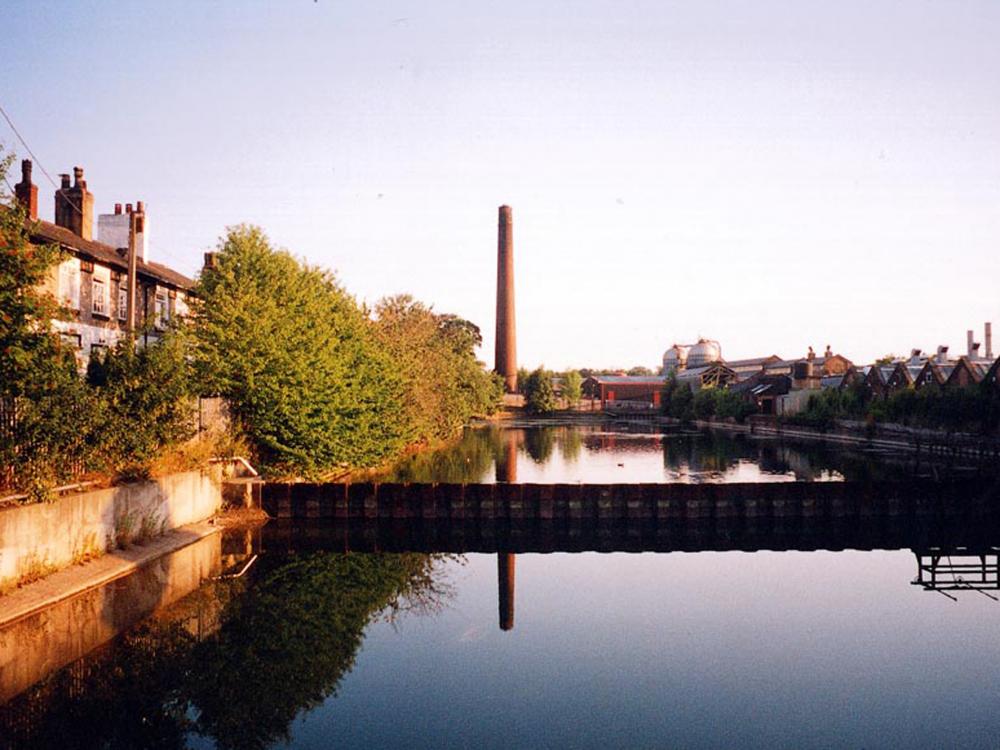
(989, 339)
(75, 205)
(26, 192)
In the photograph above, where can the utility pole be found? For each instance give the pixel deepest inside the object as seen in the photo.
(132, 285)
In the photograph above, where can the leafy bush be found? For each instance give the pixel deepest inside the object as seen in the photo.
(973, 408)
(680, 404)
(145, 403)
(539, 396)
(443, 384)
(572, 387)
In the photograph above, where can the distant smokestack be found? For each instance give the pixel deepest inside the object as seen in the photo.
(968, 342)
(989, 340)
(506, 347)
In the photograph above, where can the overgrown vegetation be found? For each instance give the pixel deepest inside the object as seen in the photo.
(973, 409)
(314, 381)
(539, 395)
(681, 402)
(443, 383)
(572, 388)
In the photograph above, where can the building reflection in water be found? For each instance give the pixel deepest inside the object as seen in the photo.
(506, 472)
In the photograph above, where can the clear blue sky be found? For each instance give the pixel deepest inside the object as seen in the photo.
(770, 174)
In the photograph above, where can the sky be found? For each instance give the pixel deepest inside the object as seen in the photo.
(773, 175)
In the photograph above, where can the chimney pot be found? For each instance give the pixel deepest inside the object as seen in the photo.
(118, 209)
(75, 206)
(25, 192)
(128, 208)
(139, 207)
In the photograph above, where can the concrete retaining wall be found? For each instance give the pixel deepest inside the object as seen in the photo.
(47, 536)
(40, 644)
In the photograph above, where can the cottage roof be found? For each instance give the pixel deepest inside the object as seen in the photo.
(831, 381)
(107, 255)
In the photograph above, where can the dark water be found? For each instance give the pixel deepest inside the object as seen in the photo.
(328, 642)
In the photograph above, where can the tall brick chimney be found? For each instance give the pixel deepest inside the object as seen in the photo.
(26, 192)
(506, 346)
(75, 205)
(989, 339)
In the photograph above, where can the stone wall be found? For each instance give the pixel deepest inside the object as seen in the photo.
(43, 537)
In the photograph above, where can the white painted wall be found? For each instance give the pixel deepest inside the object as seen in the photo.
(112, 229)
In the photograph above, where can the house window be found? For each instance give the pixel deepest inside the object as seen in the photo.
(162, 309)
(100, 296)
(122, 302)
(72, 340)
(69, 283)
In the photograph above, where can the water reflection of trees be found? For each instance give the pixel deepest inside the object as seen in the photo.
(467, 460)
(711, 455)
(708, 455)
(283, 647)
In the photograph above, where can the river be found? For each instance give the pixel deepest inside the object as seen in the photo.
(330, 640)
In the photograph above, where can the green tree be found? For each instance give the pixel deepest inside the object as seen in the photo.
(704, 403)
(38, 375)
(443, 383)
(145, 395)
(681, 404)
(296, 358)
(539, 396)
(572, 387)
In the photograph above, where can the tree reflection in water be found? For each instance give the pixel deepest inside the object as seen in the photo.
(283, 645)
(483, 453)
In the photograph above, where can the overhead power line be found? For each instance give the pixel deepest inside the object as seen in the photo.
(48, 176)
(36, 160)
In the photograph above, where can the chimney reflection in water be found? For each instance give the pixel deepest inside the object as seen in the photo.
(506, 472)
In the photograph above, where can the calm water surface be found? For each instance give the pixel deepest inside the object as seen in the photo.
(319, 646)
